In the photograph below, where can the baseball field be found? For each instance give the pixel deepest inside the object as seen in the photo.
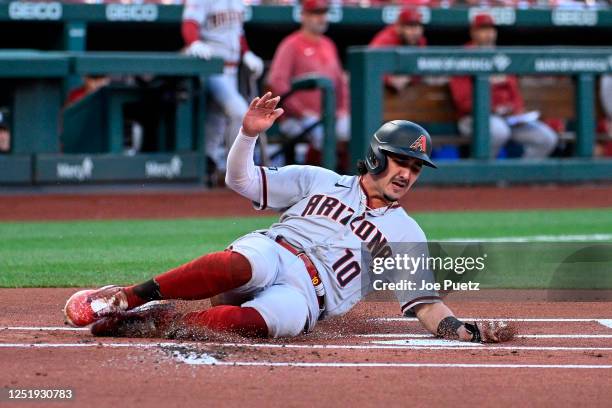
(51, 244)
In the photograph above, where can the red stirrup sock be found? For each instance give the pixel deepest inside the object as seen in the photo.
(245, 321)
(201, 278)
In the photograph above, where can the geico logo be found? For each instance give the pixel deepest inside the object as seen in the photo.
(131, 12)
(35, 11)
(574, 17)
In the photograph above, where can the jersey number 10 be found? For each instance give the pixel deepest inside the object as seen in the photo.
(346, 268)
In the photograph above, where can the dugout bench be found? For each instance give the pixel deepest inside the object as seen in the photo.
(35, 80)
(432, 106)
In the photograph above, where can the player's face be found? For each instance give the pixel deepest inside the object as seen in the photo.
(400, 174)
(484, 36)
(315, 22)
(410, 34)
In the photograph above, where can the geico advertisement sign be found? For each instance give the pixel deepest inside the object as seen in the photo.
(131, 12)
(35, 11)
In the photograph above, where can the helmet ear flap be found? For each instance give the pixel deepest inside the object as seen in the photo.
(376, 161)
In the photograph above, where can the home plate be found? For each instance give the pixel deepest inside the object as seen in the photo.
(425, 342)
(605, 322)
(193, 358)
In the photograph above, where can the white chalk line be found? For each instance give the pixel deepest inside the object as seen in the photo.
(536, 238)
(44, 328)
(207, 362)
(467, 346)
(603, 321)
(520, 336)
(86, 345)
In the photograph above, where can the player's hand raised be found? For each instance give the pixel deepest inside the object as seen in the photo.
(261, 115)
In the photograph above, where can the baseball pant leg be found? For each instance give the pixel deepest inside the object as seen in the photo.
(202, 278)
(606, 94)
(245, 321)
(537, 138)
(283, 308)
(498, 128)
(224, 91)
(343, 128)
(215, 127)
(281, 289)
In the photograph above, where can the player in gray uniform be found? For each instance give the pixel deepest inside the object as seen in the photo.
(215, 29)
(306, 267)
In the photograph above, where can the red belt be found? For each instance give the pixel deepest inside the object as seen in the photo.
(310, 268)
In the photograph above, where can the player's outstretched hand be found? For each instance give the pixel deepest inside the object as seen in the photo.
(261, 114)
(496, 331)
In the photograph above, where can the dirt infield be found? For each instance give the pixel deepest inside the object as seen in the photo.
(563, 357)
(372, 357)
(224, 203)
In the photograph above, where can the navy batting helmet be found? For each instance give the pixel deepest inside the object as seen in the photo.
(399, 137)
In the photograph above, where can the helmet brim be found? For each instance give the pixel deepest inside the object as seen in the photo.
(410, 153)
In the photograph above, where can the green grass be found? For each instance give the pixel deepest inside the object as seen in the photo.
(91, 253)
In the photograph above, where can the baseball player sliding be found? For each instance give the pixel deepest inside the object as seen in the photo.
(214, 29)
(306, 267)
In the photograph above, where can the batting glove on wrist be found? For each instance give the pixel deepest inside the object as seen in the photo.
(253, 63)
(199, 49)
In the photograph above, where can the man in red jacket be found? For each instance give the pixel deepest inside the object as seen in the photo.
(309, 51)
(537, 138)
(406, 31)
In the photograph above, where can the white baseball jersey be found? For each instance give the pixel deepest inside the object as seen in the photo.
(327, 215)
(220, 24)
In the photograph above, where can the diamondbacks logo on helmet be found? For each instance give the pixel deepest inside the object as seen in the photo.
(419, 144)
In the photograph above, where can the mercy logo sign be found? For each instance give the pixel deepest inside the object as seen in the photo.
(168, 170)
(78, 172)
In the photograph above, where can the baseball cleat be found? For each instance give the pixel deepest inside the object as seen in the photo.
(86, 306)
(152, 320)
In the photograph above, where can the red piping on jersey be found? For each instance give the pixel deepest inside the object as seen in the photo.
(364, 192)
(264, 186)
(395, 204)
(413, 301)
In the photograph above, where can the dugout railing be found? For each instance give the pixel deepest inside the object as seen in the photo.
(39, 146)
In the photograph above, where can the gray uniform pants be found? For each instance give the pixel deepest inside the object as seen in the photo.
(606, 94)
(224, 117)
(537, 138)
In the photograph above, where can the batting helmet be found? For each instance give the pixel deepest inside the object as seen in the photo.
(400, 137)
